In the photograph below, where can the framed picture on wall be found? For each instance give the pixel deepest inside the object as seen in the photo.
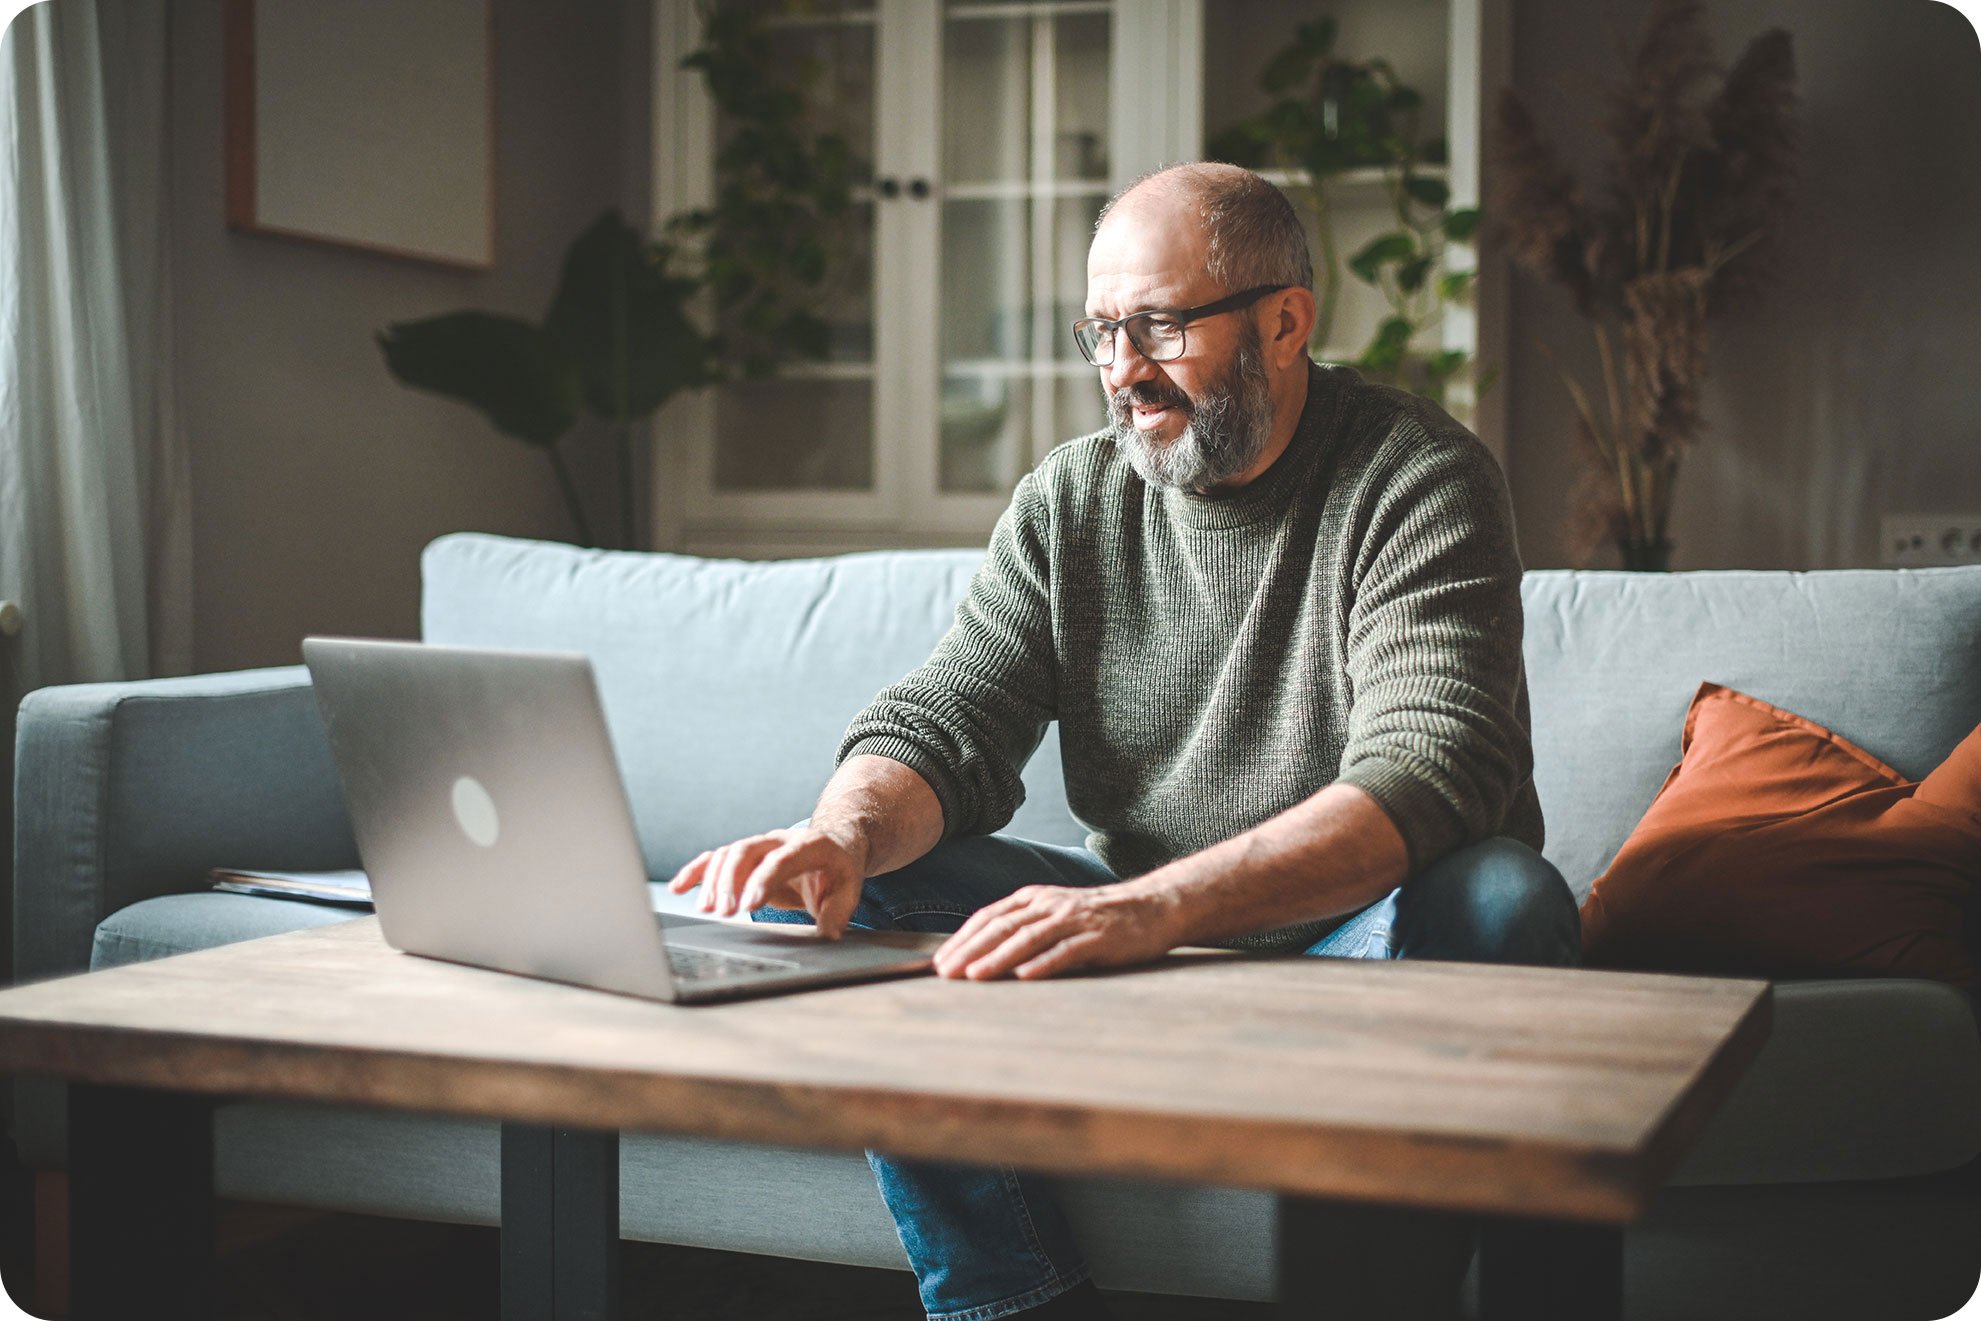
(366, 124)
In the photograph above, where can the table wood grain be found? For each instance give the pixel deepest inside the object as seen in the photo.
(1559, 1093)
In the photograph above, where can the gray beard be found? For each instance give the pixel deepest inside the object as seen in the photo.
(1227, 432)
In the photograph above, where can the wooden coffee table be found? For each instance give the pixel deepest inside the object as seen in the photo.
(1386, 1104)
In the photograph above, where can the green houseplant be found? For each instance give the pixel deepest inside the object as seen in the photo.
(1698, 179)
(1332, 115)
(625, 330)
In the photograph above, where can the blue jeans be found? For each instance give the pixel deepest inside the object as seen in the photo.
(988, 1242)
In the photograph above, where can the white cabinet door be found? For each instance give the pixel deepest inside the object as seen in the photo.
(1025, 170)
(995, 129)
(990, 128)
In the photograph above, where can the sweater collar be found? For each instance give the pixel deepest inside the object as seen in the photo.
(1268, 494)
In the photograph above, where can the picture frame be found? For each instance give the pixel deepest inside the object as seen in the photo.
(365, 124)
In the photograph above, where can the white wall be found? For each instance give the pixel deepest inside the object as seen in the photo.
(1850, 391)
(316, 477)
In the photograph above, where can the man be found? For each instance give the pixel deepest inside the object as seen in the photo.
(1276, 611)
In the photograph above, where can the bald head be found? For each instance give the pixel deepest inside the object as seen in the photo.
(1249, 233)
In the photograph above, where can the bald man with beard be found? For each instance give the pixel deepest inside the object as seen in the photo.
(1275, 609)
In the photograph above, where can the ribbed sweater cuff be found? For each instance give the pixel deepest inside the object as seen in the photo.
(919, 760)
(1427, 822)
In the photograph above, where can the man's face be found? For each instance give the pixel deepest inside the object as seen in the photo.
(1195, 421)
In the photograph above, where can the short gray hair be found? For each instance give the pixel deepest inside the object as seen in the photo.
(1254, 234)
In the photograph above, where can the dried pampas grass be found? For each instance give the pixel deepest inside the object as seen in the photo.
(1696, 182)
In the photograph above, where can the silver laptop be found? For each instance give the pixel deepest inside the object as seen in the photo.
(492, 819)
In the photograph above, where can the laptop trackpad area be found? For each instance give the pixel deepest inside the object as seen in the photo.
(801, 944)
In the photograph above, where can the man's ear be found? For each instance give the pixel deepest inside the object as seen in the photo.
(1290, 325)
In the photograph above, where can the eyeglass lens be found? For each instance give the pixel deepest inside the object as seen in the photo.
(1157, 338)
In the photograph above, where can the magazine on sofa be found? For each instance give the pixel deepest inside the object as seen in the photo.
(352, 887)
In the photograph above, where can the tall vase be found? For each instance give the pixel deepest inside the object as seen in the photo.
(1646, 556)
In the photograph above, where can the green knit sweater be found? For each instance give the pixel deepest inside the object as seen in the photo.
(1351, 615)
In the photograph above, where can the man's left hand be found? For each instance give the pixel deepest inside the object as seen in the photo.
(1046, 929)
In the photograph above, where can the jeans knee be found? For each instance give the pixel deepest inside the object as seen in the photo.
(1496, 902)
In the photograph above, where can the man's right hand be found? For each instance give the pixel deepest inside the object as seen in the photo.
(799, 867)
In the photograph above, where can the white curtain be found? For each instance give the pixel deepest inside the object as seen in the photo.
(95, 537)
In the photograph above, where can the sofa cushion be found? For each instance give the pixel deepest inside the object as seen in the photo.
(727, 684)
(1883, 657)
(1778, 849)
(181, 923)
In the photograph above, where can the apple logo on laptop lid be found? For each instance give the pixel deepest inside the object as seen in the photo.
(474, 809)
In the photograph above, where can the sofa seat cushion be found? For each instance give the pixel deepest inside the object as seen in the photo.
(1867, 1078)
(180, 923)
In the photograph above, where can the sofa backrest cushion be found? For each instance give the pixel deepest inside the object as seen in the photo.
(1890, 660)
(726, 683)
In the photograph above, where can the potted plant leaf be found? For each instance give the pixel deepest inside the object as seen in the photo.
(1331, 115)
(624, 331)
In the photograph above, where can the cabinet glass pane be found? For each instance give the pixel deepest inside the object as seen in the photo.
(1080, 75)
(795, 433)
(1079, 406)
(986, 100)
(1241, 37)
(986, 307)
(985, 419)
(808, 430)
(995, 130)
(1025, 106)
(1072, 235)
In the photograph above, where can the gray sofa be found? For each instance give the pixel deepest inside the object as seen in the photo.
(1840, 1181)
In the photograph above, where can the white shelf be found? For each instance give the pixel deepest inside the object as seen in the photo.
(1036, 9)
(1023, 189)
(1016, 367)
(845, 19)
(1368, 176)
(824, 371)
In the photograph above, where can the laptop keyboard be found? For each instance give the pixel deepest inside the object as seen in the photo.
(697, 965)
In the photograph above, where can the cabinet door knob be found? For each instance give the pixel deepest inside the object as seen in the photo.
(889, 187)
(918, 189)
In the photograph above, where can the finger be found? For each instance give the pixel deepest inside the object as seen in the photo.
(710, 870)
(1020, 946)
(984, 930)
(836, 906)
(958, 957)
(750, 858)
(972, 929)
(691, 875)
(737, 860)
(775, 869)
(1069, 954)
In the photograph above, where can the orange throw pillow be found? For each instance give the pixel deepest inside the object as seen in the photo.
(1776, 849)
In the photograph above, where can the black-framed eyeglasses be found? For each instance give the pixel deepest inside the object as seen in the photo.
(1157, 336)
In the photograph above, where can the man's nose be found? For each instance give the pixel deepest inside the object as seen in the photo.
(1129, 365)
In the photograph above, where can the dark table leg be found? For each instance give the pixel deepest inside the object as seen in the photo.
(1352, 1261)
(1541, 1270)
(560, 1224)
(140, 1204)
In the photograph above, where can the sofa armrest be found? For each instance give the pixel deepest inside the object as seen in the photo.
(126, 791)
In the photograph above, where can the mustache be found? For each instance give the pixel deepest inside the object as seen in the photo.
(1149, 394)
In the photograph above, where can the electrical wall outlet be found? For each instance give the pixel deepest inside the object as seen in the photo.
(1917, 541)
